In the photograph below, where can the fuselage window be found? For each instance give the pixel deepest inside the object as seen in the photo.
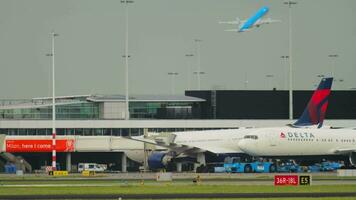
(254, 137)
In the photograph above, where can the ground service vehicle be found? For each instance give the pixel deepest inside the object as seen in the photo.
(234, 165)
(325, 166)
(289, 166)
(91, 167)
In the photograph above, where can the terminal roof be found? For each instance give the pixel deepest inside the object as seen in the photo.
(145, 98)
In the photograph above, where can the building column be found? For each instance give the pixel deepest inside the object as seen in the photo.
(69, 161)
(201, 158)
(123, 162)
(145, 151)
(179, 167)
(200, 161)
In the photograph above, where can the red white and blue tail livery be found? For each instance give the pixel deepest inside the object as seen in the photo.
(314, 113)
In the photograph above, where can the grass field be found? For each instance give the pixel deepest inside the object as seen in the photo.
(44, 185)
(169, 188)
(327, 198)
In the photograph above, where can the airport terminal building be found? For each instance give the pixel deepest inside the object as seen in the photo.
(91, 128)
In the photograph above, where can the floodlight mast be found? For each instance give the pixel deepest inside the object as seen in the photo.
(54, 152)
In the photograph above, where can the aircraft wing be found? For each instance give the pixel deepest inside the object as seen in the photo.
(167, 142)
(217, 150)
(343, 151)
(141, 139)
(232, 30)
(236, 22)
(267, 21)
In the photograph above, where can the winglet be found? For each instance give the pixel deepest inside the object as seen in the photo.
(314, 113)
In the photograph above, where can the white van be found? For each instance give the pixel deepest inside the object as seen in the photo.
(91, 167)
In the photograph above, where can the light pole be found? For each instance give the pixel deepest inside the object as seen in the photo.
(198, 74)
(246, 80)
(127, 113)
(290, 3)
(54, 152)
(285, 65)
(341, 81)
(270, 77)
(198, 41)
(333, 63)
(189, 71)
(173, 74)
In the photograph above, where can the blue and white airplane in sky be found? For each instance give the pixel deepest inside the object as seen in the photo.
(256, 20)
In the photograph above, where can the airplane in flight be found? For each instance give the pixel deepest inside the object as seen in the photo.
(255, 20)
(194, 144)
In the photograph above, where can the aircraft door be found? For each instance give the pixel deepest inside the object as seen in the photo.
(273, 139)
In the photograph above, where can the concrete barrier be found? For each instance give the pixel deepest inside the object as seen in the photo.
(346, 172)
(164, 176)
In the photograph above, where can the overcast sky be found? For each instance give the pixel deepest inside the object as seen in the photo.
(161, 32)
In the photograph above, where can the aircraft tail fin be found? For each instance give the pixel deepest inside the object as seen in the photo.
(314, 113)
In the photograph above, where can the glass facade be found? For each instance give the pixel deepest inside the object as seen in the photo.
(91, 110)
(95, 131)
(162, 110)
(85, 110)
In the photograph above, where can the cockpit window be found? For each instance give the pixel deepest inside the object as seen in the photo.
(254, 137)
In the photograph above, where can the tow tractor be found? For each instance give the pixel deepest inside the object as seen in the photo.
(325, 166)
(289, 166)
(234, 165)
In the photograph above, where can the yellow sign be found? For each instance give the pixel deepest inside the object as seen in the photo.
(304, 180)
(58, 173)
(88, 173)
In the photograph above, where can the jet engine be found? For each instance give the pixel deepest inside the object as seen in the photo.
(159, 160)
(353, 158)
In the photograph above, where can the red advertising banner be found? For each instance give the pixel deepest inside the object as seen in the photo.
(62, 145)
(286, 180)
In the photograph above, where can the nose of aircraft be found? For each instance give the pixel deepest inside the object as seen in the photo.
(242, 144)
(245, 145)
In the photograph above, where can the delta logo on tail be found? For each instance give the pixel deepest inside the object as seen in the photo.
(314, 113)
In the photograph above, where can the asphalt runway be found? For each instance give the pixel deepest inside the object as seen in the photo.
(185, 196)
